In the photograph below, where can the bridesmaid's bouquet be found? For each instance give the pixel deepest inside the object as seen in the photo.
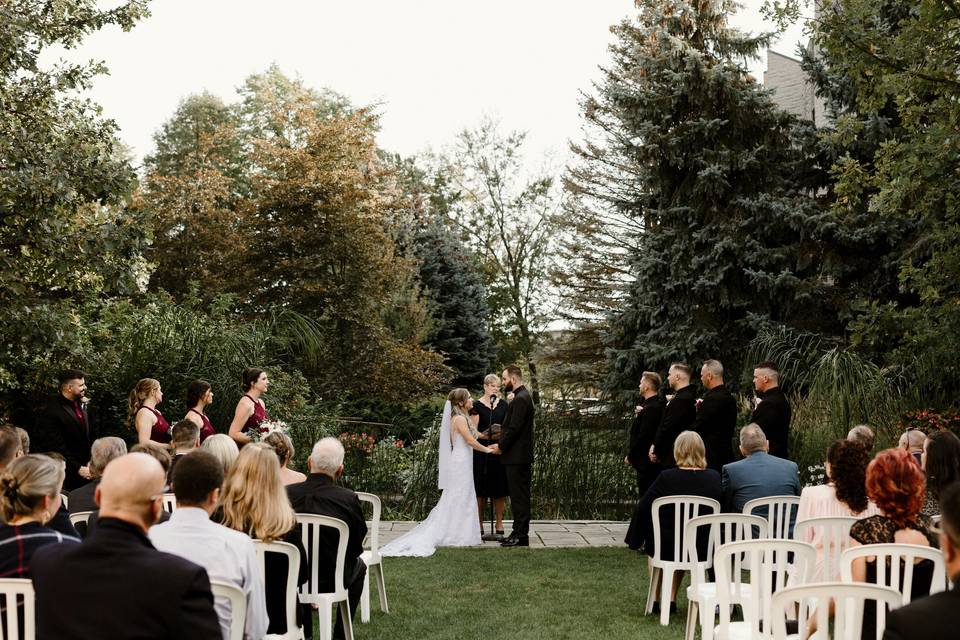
(266, 428)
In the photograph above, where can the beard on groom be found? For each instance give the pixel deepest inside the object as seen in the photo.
(516, 448)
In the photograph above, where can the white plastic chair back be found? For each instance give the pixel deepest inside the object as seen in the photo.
(701, 595)
(371, 557)
(310, 526)
(894, 556)
(770, 564)
(780, 511)
(290, 589)
(847, 598)
(834, 540)
(685, 508)
(65, 499)
(238, 606)
(169, 502)
(935, 519)
(80, 521)
(13, 593)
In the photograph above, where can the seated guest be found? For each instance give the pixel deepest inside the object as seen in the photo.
(758, 475)
(185, 437)
(254, 502)
(844, 494)
(936, 617)
(223, 449)
(941, 465)
(321, 495)
(283, 445)
(912, 442)
(29, 496)
(227, 555)
(115, 584)
(199, 396)
(896, 484)
(102, 452)
(689, 478)
(863, 434)
(159, 453)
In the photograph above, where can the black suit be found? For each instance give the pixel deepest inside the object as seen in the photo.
(516, 445)
(773, 416)
(57, 428)
(81, 498)
(319, 495)
(935, 617)
(678, 416)
(642, 432)
(117, 585)
(716, 421)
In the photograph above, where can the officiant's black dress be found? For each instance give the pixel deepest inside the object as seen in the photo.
(489, 477)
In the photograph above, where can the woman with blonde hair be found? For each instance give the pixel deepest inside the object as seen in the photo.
(143, 414)
(223, 448)
(29, 498)
(254, 501)
(489, 476)
(283, 445)
(690, 477)
(453, 522)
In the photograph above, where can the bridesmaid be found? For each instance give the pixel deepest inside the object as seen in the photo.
(199, 395)
(149, 423)
(251, 410)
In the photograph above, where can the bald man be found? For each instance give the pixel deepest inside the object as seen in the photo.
(116, 584)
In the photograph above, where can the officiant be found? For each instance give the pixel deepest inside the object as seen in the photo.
(489, 476)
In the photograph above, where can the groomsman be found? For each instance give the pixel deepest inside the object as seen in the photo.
(643, 430)
(64, 426)
(678, 416)
(716, 416)
(772, 413)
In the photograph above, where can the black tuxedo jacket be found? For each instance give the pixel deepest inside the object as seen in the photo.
(516, 437)
(773, 416)
(716, 422)
(57, 429)
(935, 617)
(318, 494)
(678, 416)
(643, 430)
(117, 585)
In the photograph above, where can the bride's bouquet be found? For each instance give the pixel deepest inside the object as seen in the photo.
(266, 428)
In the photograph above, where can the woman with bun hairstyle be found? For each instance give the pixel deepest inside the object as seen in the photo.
(283, 445)
(144, 416)
(29, 498)
(199, 395)
(251, 410)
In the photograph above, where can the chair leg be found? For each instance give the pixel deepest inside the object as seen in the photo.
(652, 589)
(365, 599)
(707, 619)
(347, 621)
(666, 585)
(381, 588)
(691, 620)
(326, 622)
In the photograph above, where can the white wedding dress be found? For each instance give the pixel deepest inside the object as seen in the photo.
(454, 521)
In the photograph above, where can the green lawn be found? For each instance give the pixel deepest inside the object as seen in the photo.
(516, 594)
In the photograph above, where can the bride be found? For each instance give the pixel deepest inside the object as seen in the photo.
(453, 522)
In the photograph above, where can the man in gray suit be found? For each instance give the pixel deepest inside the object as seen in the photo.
(758, 475)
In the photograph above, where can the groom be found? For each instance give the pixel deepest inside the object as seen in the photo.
(516, 447)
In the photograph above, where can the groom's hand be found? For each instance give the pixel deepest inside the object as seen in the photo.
(495, 449)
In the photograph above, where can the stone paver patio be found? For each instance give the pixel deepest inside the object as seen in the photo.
(543, 533)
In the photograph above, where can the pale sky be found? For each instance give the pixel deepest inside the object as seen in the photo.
(433, 66)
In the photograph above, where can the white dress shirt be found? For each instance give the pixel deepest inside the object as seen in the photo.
(227, 555)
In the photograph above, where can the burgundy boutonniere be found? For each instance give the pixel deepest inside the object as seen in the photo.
(699, 402)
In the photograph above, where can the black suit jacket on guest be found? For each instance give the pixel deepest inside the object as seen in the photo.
(643, 430)
(117, 585)
(82, 498)
(320, 495)
(678, 416)
(716, 422)
(773, 416)
(58, 429)
(516, 437)
(935, 617)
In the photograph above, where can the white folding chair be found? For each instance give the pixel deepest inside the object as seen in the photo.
(371, 557)
(13, 592)
(770, 564)
(834, 539)
(309, 593)
(897, 555)
(685, 508)
(702, 595)
(169, 502)
(780, 512)
(848, 600)
(290, 590)
(238, 606)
